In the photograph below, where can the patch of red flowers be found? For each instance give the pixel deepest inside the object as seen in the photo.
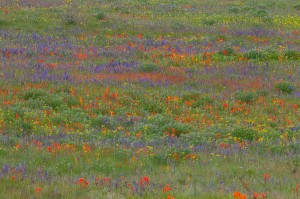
(144, 180)
(167, 188)
(239, 195)
(83, 183)
(259, 195)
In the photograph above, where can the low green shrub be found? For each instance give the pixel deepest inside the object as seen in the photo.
(255, 55)
(292, 55)
(297, 7)
(247, 97)
(100, 15)
(34, 94)
(204, 100)
(285, 87)
(70, 20)
(245, 134)
(208, 22)
(148, 68)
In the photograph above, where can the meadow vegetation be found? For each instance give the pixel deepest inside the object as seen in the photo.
(149, 99)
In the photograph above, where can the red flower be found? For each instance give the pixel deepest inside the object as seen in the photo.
(86, 183)
(224, 52)
(167, 188)
(146, 179)
(266, 177)
(141, 181)
(81, 180)
(225, 105)
(38, 189)
(239, 195)
(263, 195)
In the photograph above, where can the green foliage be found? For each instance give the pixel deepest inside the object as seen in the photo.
(179, 128)
(71, 101)
(260, 13)
(292, 55)
(247, 97)
(148, 68)
(254, 55)
(196, 138)
(178, 26)
(58, 118)
(262, 92)
(246, 134)
(297, 7)
(3, 23)
(208, 22)
(191, 95)
(70, 20)
(262, 55)
(55, 102)
(103, 121)
(159, 124)
(34, 94)
(234, 10)
(152, 106)
(204, 100)
(227, 51)
(100, 15)
(271, 54)
(285, 87)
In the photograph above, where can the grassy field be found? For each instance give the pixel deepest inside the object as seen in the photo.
(150, 99)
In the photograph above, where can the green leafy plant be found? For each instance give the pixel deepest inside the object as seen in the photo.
(247, 97)
(34, 94)
(2, 23)
(227, 51)
(285, 87)
(297, 7)
(100, 15)
(208, 22)
(148, 68)
(203, 101)
(291, 54)
(70, 20)
(234, 10)
(260, 13)
(255, 55)
(246, 134)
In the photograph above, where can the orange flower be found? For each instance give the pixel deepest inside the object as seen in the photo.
(266, 177)
(263, 195)
(86, 183)
(140, 36)
(146, 179)
(81, 180)
(224, 52)
(38, 189)
(239, 195)
(167, 188)
(12, 178)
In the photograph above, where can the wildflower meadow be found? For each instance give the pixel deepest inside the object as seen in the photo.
(155, 99)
